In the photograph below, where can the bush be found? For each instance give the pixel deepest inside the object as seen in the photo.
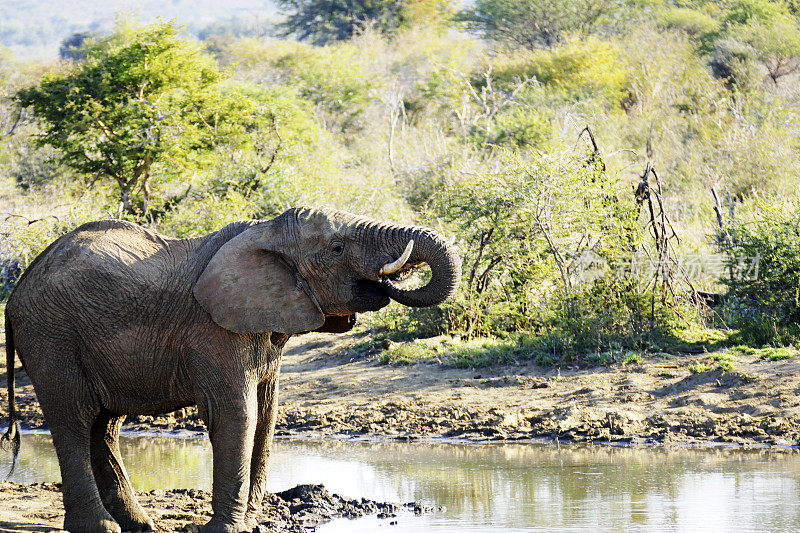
(737, 64)
(293, 161)
(533, 23)
(334, 78)
(695, 23)
(763, 299)
(577, 68)
(325, 21)
(547, 246)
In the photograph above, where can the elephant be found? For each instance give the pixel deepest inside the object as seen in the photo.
(113, 319)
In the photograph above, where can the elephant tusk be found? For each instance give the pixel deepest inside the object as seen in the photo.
(394, 266)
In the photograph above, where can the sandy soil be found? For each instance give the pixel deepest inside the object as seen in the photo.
(328, 388)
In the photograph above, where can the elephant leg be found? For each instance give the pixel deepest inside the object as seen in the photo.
(70, 413)
(265, 429)
(231, 425)
(113, 484)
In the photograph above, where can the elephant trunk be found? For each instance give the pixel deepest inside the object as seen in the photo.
(431, 248)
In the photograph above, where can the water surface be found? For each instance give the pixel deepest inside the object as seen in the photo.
(502, 487)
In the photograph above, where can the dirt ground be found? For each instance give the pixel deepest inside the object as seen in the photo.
(37, 507)
(330, 388)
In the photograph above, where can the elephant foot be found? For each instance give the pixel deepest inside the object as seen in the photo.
(82, 524)
(250, 523)
(137, 526)
(215, 526)
(133, 519)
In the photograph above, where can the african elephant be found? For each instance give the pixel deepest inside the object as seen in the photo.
(113, 319)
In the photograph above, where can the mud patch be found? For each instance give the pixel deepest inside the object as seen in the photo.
(38, 507)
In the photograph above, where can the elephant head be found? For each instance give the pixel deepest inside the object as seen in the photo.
(293, 272)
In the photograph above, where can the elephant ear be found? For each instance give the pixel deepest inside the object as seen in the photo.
(249, 287)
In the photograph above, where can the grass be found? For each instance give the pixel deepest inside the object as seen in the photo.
(768, 353)
(699, 367)
(723, 362)
(633, 358)
(453, 351)
(475, 353)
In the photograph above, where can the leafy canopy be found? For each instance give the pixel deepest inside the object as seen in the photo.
(534, 23)
(325, 21)
(145, 103)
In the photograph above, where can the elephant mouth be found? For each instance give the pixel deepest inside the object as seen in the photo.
(368, 295)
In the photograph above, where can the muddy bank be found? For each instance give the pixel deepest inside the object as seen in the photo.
(330, 388)
(37, 507)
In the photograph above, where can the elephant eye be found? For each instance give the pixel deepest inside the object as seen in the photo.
(337, 248)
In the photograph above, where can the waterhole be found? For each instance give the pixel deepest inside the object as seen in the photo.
(497, 487)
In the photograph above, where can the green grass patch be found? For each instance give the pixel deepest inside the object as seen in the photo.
(633, 358)
(768, 353)
(721, 361)
(699, 367)
(474, 353)
(724, 361)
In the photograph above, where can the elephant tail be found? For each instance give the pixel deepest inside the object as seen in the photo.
(11, 438)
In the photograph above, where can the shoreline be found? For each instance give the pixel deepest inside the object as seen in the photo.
(330, 389)
(537, 441)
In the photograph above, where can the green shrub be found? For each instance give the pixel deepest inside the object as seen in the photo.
(548, 246)
(577, 68)
(737, 64)
(693, 22)
(763, 251)
(333, 77)
(633, 358)
(768, 353)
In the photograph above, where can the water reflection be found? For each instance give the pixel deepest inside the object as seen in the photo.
(510, 487)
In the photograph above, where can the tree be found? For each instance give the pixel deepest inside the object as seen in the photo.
(324, 21)
(73, 46)
(534, 23)
(144, 103)
(775, 44)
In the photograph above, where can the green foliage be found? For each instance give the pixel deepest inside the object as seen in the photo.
(333, 78)
(763, 251)
(768, 353)
(632, 358)
(698, 367)
(747, 11)
(540, 255)
(145, 104)
(325, 21)
(695, 23)
(721, 362)
(577, 68)
(534, 23)
(775, 42)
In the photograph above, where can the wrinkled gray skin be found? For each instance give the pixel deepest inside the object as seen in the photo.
(113, 319)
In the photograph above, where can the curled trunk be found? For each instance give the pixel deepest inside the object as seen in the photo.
(431, 248)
